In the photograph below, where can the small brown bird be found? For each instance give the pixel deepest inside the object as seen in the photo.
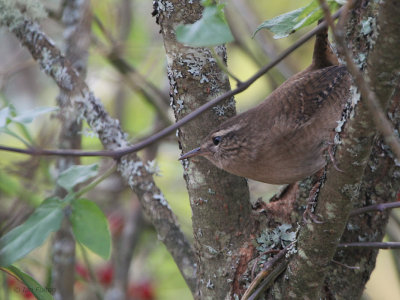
(282, 140)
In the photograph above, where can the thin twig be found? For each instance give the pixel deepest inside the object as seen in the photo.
(97, 287)
(378, 115)
(223, 67)
(58, 152)
(378, 207)
(378, 245)
(346, 266)
(134, 79)
(131, 168)
(95, 182)
(170, 129)
(268, 46)
(269, 279)
(267, 275)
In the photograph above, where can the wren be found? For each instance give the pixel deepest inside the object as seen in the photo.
(283, 139)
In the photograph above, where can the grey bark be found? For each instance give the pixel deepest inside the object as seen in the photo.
(369, 173)
(219, 201)
(76, 18)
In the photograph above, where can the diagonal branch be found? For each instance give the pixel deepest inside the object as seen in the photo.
(368, 95)
(134, 79)
(118, 153)
(307, 273)
(133, 170)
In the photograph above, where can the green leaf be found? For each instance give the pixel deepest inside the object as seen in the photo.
(288, 23)
(75, 175)
(206, 3)
(4, 116)
(32, 233)
(37, 290)
(9, 185)
(90, 227)
(211, 30)
(11, 133)
(28, 116)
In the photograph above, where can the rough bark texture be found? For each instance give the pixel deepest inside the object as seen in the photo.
(220, 201)
(136, 173)
(380, 182)
(224, 228)
(369, 175)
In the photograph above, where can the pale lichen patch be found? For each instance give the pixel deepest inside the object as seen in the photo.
(62, 77)
(160, 197)
(152, 167)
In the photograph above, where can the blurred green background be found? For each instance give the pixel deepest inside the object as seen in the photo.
(25, 182)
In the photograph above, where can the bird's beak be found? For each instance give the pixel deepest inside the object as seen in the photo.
(194, 152)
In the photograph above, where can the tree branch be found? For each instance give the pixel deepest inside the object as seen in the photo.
(379, 245)
(375, 207)
(118, 153)
(132, 169)
(76, 18)
(135, 80)
(368, 95)
(341, 191)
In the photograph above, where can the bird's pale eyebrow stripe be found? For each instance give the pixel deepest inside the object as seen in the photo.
(223, 132)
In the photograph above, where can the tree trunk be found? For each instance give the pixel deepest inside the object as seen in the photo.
(369, 173)
(219, 201)
(223, 225)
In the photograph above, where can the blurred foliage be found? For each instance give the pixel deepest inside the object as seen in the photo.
(25, 181)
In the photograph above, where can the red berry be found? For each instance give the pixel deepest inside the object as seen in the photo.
(81, 271)
(105, 274)
(26, 293)
(141, 291)
(11, 281)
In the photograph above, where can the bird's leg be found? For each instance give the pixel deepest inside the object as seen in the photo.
(310, 204)
(333, 160)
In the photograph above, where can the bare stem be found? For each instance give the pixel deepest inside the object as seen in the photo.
(379, 245)
(171, 129)
(375, 207)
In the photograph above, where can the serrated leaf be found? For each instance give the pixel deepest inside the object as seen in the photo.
(288, 23)
(211, 30)
(37, 290)
(90, 227)
(32, 233)
(75, 175)
(29, 116)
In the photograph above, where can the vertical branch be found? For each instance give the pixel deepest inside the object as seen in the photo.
(375, 51)
(123, 251)
(370, 99)
(125, 245)
(366, 171)
(219, 201)
(76, 18)
(134, 171)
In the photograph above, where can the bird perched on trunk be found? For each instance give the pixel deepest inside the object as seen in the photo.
(283, 139)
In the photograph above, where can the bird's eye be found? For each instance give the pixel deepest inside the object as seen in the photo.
(216, 140)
